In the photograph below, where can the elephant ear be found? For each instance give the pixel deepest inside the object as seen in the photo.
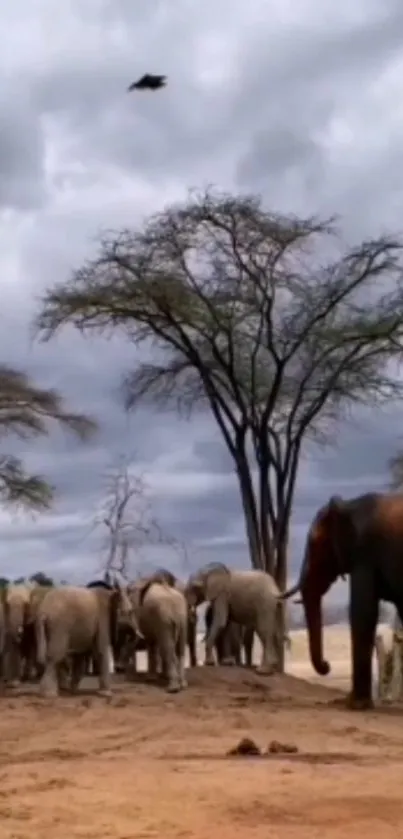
(217, 581)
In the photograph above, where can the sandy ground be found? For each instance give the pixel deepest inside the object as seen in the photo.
(146, 764)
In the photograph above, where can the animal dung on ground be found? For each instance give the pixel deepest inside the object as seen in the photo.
(277, 748)
(245, 748)
(148, 82)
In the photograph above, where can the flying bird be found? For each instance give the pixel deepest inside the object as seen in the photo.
(148, 82)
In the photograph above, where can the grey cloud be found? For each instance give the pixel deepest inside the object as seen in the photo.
(22, 148)
(251, 99)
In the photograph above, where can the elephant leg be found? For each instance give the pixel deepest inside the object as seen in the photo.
(219, 651)
(265, 630)
(77, 671)
(381, 662)
(167, 649)
(180, 653)
(152, 659)
(231, 644)
(49, 684)
(396, 673)
(104, 663)
(192, 643)
(218, 623)
(13, 662)
(63, 670)
(364, 609)
(56, 654)
(248, 639)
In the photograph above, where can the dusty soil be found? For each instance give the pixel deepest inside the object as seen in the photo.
(146, 764)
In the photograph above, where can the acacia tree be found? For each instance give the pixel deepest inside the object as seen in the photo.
(268, 321)
(25, 410)
(127, 519)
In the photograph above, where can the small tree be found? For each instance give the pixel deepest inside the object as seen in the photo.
(42, 579)
(262, 319)
(25, 411)
(127, 520)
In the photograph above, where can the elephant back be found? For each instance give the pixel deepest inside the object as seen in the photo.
(162, 576)
(100, 584)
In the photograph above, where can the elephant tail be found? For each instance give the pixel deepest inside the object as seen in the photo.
(40, 633)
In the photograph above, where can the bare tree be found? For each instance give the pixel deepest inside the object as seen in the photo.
(127, 520)
(268, 321)
(25, 410)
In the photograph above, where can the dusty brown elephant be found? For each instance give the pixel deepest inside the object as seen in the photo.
(250, 598)
(163, 575)
(231, 641)
(362, 537)
(162, 614)
(15, 600)
(76, 621)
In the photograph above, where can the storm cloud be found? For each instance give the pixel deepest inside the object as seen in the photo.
(301, 104)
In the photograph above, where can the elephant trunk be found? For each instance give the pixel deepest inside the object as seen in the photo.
(313, 615)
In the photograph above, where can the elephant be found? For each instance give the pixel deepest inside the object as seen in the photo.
(74, 621)
(31, 670)
(231, 641)
(15, 600)
(126, 633)
(250, 598)
(361, 537)
(162, 614)
(163, 575)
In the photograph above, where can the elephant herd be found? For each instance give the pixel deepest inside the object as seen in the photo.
(51, 633)
(57, 634)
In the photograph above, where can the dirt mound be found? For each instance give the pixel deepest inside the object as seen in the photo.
(280, 687)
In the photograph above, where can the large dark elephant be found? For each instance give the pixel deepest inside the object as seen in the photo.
(362, 537)
(231, 640)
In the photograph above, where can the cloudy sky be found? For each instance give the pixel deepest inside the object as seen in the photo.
(299, 101)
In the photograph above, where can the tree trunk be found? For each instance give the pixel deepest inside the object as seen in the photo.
(281, 579)
(250, 514)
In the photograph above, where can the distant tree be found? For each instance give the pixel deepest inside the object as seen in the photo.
(25, 411)
(268, 321)
(127, 520)
(41, 579)
(4, 582)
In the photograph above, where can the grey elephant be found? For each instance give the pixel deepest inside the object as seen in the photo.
(163, 575)
(15, 600)
(74, 621)
(162, 615)
(251, 598)
(233, 640)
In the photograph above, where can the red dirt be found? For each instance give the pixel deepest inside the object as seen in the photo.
(147, 764)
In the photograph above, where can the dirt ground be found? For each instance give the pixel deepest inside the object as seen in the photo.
(146, 764)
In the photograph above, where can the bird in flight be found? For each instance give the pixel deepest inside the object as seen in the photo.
(148, 82)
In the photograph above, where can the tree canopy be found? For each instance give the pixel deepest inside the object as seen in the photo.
(25, 410)
(269, 321)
